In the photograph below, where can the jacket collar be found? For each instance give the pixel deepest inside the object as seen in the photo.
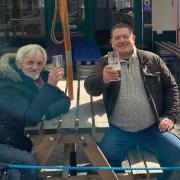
(144, 61)
(142, 58)
(9, 72)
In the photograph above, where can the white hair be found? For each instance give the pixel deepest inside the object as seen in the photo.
(31, 49)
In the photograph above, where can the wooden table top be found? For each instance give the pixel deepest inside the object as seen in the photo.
(86, 114)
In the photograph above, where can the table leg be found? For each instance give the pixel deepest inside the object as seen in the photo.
(46, 147)
(73, 161)
(96, 157)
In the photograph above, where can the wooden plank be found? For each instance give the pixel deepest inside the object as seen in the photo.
(147, 158)
(94, 177)
(136, 161)
(46, 147)
(68, 139)
(36, 141)
(33, 129)
(125, 164)
(151, 162)
(85, 114)
(52, 125)
(101, 120)
(68, 120)
(96, 157)
(66, 160)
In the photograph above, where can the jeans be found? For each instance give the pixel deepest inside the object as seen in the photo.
(164, 145)
(11, 155)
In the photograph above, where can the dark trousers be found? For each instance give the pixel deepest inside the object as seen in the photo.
(11, 155)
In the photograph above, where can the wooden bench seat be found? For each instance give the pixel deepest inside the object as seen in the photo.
(80, 128)
(137, 158)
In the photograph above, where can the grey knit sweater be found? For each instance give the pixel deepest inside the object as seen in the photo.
(132, 111)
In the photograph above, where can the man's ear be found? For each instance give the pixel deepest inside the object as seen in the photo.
(134, 38)
(18, 64)
(110, 41)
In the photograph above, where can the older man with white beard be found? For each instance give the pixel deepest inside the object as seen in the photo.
(27, 94)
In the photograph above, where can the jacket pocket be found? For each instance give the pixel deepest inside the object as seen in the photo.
(154, 82)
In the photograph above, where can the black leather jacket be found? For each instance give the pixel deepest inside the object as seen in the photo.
(160, 86)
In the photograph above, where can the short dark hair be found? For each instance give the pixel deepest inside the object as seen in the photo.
(121, 25)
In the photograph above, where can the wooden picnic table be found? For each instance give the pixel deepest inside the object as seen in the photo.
(79, 127)
(75, 127)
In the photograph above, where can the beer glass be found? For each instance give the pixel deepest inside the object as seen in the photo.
(114, 61)
(57, 61)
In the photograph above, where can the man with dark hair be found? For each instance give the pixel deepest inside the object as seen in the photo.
(142, 106)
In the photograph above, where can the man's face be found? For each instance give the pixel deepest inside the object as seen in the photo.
(32, 65)
(122, 41)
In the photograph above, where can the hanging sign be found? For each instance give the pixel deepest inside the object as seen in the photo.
(147, 6)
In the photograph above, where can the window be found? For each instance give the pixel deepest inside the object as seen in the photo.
(76, 10)
(20, 18)
(122, 11)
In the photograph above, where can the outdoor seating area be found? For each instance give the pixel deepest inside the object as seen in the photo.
(78, 133)
(90, 90)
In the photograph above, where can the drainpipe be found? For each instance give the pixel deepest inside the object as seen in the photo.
(176, 11)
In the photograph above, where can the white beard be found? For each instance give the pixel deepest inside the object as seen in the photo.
(33, 75)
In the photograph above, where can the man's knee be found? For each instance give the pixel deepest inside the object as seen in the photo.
(29, 159)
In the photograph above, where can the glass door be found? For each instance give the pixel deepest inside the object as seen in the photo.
(122, 11)
(21, 18)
